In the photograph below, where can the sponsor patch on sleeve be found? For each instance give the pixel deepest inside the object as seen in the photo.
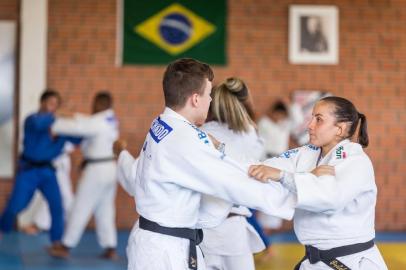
(312, 147)
(201, 134)
(289, 153)
(159, 130)
(112, 120)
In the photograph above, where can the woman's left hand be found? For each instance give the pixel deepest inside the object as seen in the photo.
(264, 173)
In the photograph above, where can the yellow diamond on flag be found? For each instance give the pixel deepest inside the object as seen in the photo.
(175, 29)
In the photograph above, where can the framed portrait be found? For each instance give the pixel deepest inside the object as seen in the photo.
(313, 34)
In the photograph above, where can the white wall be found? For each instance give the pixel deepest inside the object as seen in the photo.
(7, 89)
(33, 55)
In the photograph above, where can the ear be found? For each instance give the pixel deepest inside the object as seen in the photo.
(342, 129)
(194, 99)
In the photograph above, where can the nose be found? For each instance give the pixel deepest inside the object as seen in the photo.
(310, 125)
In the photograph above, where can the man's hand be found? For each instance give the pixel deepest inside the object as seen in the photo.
(323, 170)
(118, 146)
(264, 173)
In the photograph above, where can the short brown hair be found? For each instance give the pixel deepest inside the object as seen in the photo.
(182, 78)
(104, 99)
(48, 93)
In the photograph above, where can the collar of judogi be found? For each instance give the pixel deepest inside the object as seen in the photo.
(171, 113)
(334, 150)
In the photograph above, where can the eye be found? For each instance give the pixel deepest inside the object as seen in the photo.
(318, 119)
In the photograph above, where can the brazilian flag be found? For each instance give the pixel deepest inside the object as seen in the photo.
(157, 32)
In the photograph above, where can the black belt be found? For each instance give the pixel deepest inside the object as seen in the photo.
(234, 215)
(195, 237)
(30, 164)
(329, 257)
(94, 160)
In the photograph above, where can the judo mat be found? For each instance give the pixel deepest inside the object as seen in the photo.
(24, 252)
(286, 252)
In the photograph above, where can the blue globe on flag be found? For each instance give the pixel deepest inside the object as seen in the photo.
(175, 28)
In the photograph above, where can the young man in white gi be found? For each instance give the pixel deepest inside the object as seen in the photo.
(178, 164)
(97, 187)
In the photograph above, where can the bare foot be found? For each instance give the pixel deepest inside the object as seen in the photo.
(267, 255)
(30, 229)
(110, 254)
(58, 250)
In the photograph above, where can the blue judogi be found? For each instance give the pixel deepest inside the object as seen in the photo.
(35, 171)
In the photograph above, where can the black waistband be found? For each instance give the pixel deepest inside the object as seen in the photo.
(88, 161)
(329, 257)
(195, 237)
(30, 164)
(234, 215)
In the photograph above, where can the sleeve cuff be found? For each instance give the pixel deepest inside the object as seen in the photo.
(288, 181)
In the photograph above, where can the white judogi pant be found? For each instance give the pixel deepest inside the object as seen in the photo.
(216, 262)
(170, 250)
(230, 246)
(96, 194)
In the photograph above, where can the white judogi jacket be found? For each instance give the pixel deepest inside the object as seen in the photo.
(235, 236)
(179, 163)
(100, 131)
(335, 210)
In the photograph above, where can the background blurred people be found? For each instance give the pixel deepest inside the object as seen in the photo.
(276, 126)
(35, 169)
(36, 217)
(97, 186)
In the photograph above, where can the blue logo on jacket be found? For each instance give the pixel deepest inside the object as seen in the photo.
(159, 130)
(313, 147)
(201, 134)
(289, 153)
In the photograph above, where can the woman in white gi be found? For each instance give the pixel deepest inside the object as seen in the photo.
(334, 182)
(230, 245)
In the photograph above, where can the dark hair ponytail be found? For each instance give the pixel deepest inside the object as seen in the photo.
(363, 138)
(345, 111)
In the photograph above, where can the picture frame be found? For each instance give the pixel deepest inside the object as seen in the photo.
(313, 34)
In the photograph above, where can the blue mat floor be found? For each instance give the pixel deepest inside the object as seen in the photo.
(24, 252)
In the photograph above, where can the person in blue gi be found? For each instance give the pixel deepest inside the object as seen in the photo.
(35, 169)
